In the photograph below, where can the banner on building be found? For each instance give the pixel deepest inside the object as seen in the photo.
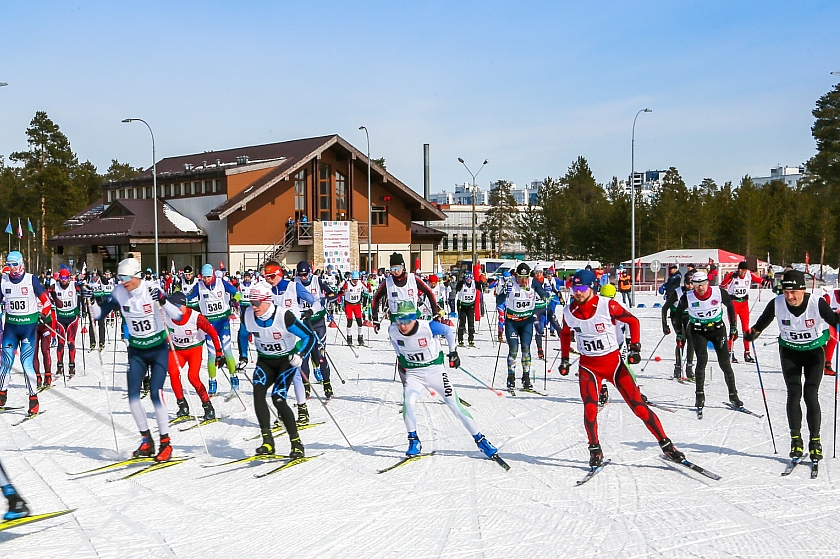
(337, 244)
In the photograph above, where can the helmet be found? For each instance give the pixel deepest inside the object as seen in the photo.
(699, 277)
(506, 274)
(584, 277)
(129, 267)
(207, 270)
(608, 290)
(260, 293)
(468, 276)
(406, 312)
(303, 267)
(354, 275)
(178, 299)
(64, 274)
(523, 270)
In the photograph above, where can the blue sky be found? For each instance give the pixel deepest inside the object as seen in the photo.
(529, 85)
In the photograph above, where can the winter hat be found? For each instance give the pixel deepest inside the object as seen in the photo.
(700, 277)
(396, 259)
(584, 277)
(207, 270)
(793, 279)
(178, 299)
(743, 265)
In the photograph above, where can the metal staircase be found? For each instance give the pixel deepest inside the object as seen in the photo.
(298, 234)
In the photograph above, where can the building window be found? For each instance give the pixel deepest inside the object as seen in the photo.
(160, 191)
(300, 195)
(148, 193)
(217, 185)
(324, 198)
(379, 215)
(446, 242)
(340, 197)
(208, 187)
(196, 189)
(110, 196)
(484, 241)
(464, 241)
(166, 191)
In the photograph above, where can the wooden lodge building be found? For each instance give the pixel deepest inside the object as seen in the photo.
(246, 205)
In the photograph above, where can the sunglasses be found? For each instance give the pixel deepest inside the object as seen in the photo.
(124, 278)
(579, 288)
(396, 269)
(271, 276)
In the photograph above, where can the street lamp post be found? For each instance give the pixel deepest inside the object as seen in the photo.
(3, 83)
(370, 210)
(474, 189)
(154, 189)
(633, 210)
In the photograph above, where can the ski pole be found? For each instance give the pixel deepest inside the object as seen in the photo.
(498, 353)
(484, 384)
(763, 395)
(348, 344)
(334, 368)
(545, 360)
(555, 360)
(108, 402)
(323, 405)
(836, 360)
(84, 364)
(654, 351)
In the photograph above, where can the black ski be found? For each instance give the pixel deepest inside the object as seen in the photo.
(258, 458)
(699, 412)
(464, 403)
(288, 464)
(153, 467)
(405, 460)
(512, 391)
(815, 469)
(660, 406)
(592, 471)
(10, 408)
(500, 461)
(794, 462)
(693, 466)
(45, 387)
(742, 409)
(114, 465)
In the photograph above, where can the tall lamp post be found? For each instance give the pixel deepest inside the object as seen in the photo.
(3, 83)
(370, 210)
(154, 189)
(474, 189)
(633, 210)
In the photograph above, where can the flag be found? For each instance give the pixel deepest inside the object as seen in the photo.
(9, 227)
(84, 268)
(29, 226)
(20, 230)
(172, 269)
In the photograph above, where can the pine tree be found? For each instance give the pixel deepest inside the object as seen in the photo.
(500, 220)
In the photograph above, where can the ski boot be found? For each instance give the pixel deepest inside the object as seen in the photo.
(540, 353)
(39, 380)
(828, 370)
(511, 380)
(735, 400)
(748, 358)
(797, 446)
(699, 399)
(689, 372)
(303, 415)
(484, 445)
(267, 446)
(414, 445)
(328, 391)
(3, 396)
(212, 386)
(815, 449)
(526, 382)
(71, 371)
(47, 380)
(349, 340)
(234, 382)
(297, 449)
(307, 388)
(147, 446)
(165, 450)
(460, 343)
(101, 347)
(317, 373)
(183, 408)
(732, 358)
(668, 450)
(596, 456)
(361, 340)
(34, 407)
(59, 369)
(209, 412)
(17, 506)
(677, 372)
(146, 387)
(243, 362)
(471, 344)
(603, 396)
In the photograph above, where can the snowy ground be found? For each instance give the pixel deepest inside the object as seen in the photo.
(455, 504)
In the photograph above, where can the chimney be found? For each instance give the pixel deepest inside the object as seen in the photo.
(241, 159)
(218, 163)
(426, 179)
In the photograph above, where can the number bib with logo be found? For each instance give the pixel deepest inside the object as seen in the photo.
(520, 302)
(96, 287)
(418, 350)
(353, 293)
(21, 302)
(186, 335)
(739, 288)
(597, 335)
(145, 324)
(397, 294)
(246, 294)
(679, 292)
(214, 302)
(314, 288)
(804, 332)
(66, 300)
(271, 341)
(467, 294)
(705, 312)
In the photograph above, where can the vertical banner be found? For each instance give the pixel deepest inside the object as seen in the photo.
(337, 244)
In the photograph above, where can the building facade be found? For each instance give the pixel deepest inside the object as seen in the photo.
(788, 175)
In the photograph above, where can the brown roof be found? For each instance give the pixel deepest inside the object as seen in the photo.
(419, 230)
(125, 220)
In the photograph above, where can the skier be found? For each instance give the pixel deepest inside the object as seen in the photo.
(400, 285)
(465, 297)
(421, 367)
(803, 321)
(705, 305)
(136, 299)
(833, 299)
(17, 506)
(44, 339)
(593, 320)
(541, 310)
(353, 292)
(679, 322)
(282, 342)
(314, 316)
(242, 336)
(189, 348)
(738, 285)
(22, 293)
(97, 287)
(213, 296)
(501, 289)
(65, 297)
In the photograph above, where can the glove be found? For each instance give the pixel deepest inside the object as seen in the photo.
(220, 360)
(666, 329)
(307, 316)
(634, 356)
(86, 292)
(375, 327)
(733, 334)
(680, 340)
(564, 366)
(441, 313)
(750, 335)
(44, 319)
(454, 360)
(296, 361)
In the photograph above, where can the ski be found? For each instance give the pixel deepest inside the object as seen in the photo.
(257, 458)
(202, 423)
(500, 461)
(27, 418)
(288, 464)
(153, 467)
(699, 412)
(592, 471)
(180, 419)
(231, 396)
(794, 462)
(45, 388)
(10, 408)
(280, 429)
(742, 409)
(113, 466)
(512, 391)
(693, 466)
(6, 524)
(815, 469)
(532, 391)
(464, 403)
(405, 460)
(660, 406)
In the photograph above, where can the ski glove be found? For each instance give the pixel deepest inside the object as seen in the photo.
(307, 316)
(634, 356)
(157, 295)
(295, 361)
(564, 366)
(666, 329)
(86, 292)
(733, 335)
(454, 360)
(751, 334)
(680, 340)
(220, 359)
(375, 327)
